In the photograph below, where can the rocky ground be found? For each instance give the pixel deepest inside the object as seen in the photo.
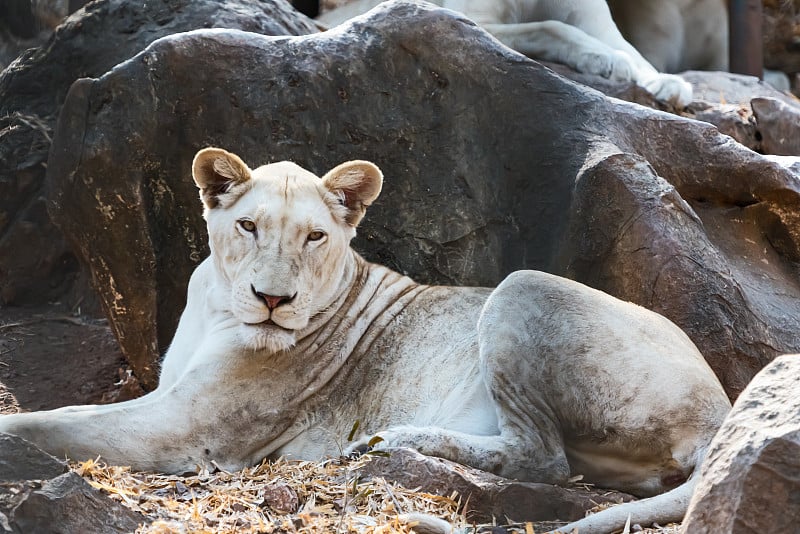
(51, 356)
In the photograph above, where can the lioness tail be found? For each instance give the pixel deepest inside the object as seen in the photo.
(667, 507)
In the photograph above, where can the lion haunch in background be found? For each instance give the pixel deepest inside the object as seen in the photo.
(577, 33)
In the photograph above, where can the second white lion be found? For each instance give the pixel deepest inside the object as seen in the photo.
(578, 33)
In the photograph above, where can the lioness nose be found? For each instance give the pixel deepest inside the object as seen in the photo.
(272, 301)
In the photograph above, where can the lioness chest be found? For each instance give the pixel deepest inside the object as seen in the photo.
(416, 363)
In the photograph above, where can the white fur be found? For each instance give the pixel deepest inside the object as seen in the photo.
(539, 379)
(577, 33)
(676, 35)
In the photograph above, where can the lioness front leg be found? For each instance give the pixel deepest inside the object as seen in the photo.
(140, 432)
(555, 41)
(563, 43)
(512, 456)
(174, 429)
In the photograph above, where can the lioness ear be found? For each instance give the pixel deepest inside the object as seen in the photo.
(357, 184)
(217, 172)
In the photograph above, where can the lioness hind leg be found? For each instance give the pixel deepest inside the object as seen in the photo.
(517, 372)
(173, 429)
(513, 456)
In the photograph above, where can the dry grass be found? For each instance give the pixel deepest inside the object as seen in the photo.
(8, 402)
(282, 497)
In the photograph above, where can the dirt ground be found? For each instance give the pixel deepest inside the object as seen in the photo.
(52, 357)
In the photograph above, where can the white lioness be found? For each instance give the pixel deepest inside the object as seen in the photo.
(289, 336)
(577, 33)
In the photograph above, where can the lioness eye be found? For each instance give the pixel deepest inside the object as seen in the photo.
(247, 226)
(316, 235)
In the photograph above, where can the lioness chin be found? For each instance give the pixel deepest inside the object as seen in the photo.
(289, 336)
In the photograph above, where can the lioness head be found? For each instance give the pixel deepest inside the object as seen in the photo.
(279, 238)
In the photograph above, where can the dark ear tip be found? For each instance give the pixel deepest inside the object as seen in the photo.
(215, 172)
(203, 165)
(362, 180)
(209, 154)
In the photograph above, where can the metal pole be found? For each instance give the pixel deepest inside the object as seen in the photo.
(746, 47)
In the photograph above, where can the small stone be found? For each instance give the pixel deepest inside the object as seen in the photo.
(281, 498)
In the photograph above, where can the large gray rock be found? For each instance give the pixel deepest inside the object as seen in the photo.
(750, 480)
(782, 135)
(485, 496)
(36, 265)
(492, 162)
(39, 494)
(22, 460)
(752, 112)
(69, 505)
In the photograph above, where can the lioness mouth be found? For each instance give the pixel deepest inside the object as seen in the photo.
(269, 322)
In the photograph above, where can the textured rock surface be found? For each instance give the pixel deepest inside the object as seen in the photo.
(22, 460)
(487, 496)
(27, 24)
(750, 481)
(69, 505)
(39, 494)
(35, 263)
(778, 126)
(545, 174)
(728, 101)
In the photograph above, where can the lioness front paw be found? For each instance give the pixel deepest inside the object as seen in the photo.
(615, 65)
(669, 88)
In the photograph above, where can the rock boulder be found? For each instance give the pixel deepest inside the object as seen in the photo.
(36, 265)
(39, 494)
(750, 480)
(492, 163)
(22, 460)
(485, 496)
